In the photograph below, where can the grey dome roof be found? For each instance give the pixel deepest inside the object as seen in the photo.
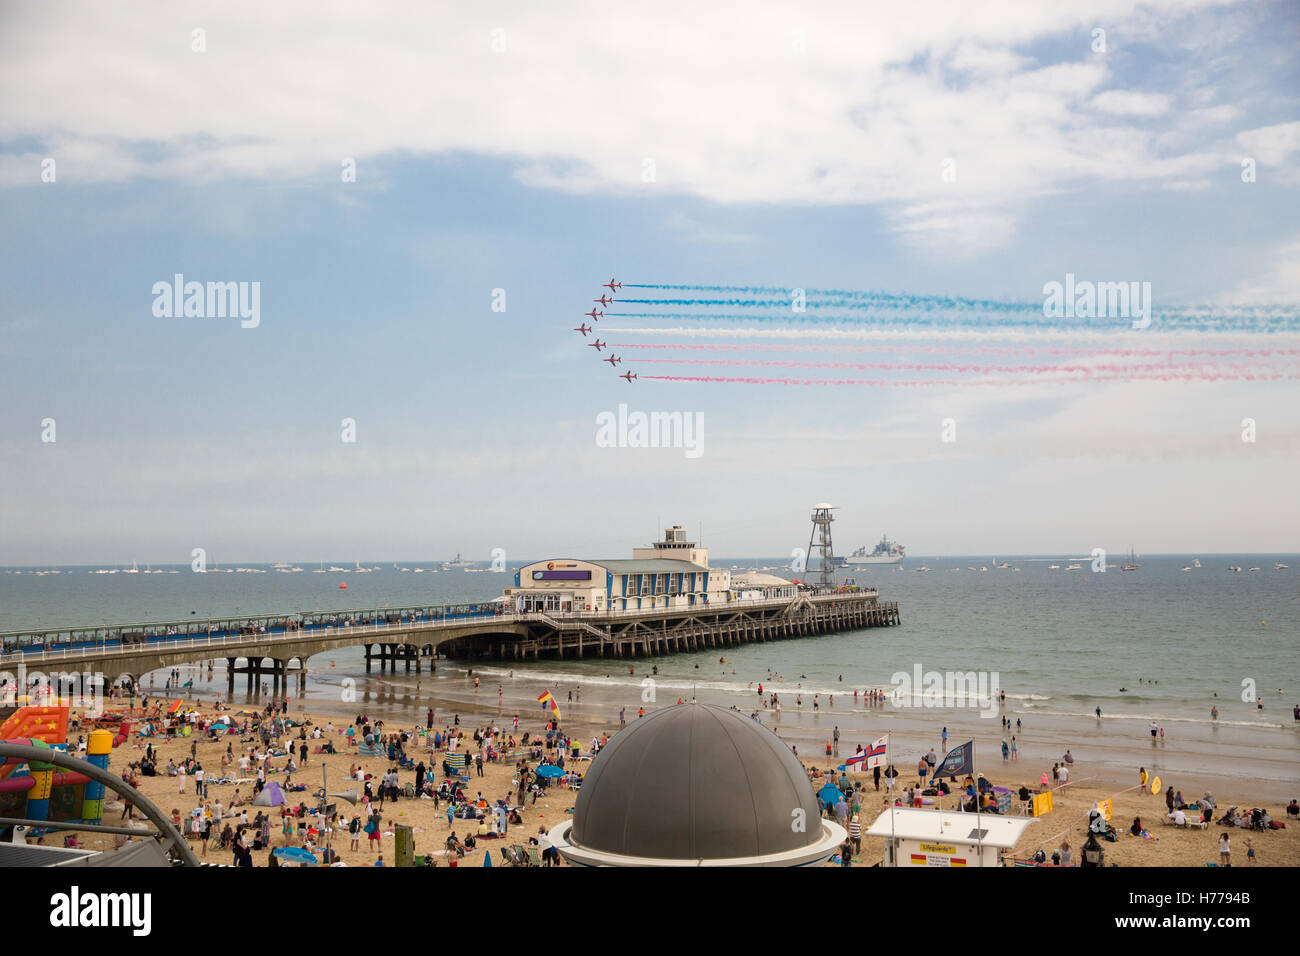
(693, 782)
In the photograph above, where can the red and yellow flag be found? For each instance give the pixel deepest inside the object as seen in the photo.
(546, 698)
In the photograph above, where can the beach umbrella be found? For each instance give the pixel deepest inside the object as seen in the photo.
(487, 857)
(550, 770)
(829, 794)
(296, 854)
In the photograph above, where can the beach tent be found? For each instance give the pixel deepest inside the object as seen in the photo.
(550, 770)
(271, 796)
(829, 794)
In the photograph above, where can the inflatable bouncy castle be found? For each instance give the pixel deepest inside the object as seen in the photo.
(36, 790)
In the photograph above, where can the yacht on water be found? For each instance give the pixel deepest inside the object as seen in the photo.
(1281, 567)
(886, 552)
(1196, 562)
(1131, 564)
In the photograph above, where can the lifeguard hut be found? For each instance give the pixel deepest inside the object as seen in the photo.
(918, 837)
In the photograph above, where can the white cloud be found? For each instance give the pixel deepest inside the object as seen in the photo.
(1131, 103)
(1279, 283)
(694, 231)
(725, 107)
(1271, 145)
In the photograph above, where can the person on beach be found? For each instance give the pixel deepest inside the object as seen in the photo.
(1142, 779)
(1214, 713)
(1225, 850)
(1006, 750)
(1015, 751)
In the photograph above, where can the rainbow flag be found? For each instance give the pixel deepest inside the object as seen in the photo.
(546, 698)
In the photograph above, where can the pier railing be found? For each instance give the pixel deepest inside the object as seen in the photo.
(103, 641)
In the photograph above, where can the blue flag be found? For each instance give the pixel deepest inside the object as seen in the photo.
(959, 762)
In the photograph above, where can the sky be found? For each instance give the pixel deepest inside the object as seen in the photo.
(430, 196)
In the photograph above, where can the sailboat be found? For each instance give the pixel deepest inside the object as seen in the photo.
(1131, 564)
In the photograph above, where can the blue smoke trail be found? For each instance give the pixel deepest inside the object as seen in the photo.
(934, 310)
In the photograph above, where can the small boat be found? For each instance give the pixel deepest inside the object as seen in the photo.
(1131, 564)
(1073, 567)
(1196, 562)
(1186, 568)
(1252, 569)
(1053, 567)
(1234, 568)
(1281, 567)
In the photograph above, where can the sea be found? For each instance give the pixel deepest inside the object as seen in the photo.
(1159, 645)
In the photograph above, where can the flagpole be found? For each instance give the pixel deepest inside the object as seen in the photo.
(979, 832)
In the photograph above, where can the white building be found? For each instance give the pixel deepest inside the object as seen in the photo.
(758, 586)
(917, 837)
(668, 574)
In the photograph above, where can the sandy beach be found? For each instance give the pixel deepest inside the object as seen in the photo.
(1067, 822)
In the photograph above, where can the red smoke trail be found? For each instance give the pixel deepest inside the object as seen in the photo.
(1090, 371)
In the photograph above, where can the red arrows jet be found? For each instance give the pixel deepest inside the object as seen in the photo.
(604, 300)
(629, 376)
(612, 359)
(597, 345)
(584, 329)
(613, 286)
(594, 315)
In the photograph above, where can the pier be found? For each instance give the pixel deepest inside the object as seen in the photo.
(273, 648)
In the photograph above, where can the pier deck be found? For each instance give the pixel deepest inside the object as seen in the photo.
(270, 644)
